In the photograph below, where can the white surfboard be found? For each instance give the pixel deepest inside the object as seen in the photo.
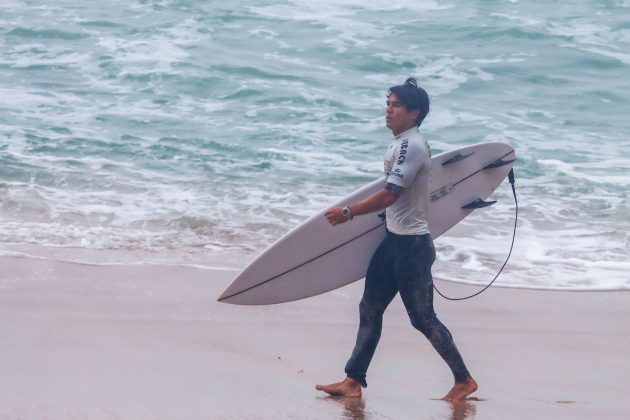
(316, 257)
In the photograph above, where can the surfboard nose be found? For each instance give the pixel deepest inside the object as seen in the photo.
(229, 293)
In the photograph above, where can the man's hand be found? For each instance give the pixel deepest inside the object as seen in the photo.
(376, 202)
(335, 217)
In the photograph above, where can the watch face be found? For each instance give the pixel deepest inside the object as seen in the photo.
(345, 212)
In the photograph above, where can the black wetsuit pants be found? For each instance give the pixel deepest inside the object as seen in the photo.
(402, 263)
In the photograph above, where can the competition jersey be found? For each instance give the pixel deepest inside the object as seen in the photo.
(408, 165)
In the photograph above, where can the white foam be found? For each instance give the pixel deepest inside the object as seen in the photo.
(584, 32)
(571, 170)
(439, 75)
(594, 38)
(10, 98)
(621, 56)
(339, 17)
(154, 54)
(62, 58)
(520, 19)
(275, 56)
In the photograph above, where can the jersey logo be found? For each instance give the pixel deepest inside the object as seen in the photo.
(403, 151)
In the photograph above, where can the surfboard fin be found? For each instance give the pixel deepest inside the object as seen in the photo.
(457, 158)
(498, 163)
(478, 204)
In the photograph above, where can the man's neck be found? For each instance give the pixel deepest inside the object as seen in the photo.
(396, 135)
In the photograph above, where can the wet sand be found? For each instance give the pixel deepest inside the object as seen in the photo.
(151, 342)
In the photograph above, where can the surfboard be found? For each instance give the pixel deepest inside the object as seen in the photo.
(316, 257)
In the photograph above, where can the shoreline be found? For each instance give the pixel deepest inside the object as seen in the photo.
(213, 265)
(105, 342)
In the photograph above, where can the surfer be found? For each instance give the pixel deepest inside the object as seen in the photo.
(402, 262)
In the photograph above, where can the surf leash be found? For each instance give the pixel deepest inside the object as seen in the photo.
(511, 179)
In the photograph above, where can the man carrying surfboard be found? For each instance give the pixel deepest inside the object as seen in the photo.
(402, 262)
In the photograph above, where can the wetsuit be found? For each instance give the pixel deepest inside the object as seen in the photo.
(402, 262)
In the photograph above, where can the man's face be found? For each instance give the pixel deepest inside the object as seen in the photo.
(397, 118)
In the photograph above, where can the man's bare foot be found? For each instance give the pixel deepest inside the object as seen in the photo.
(346, 388)
(461, 390)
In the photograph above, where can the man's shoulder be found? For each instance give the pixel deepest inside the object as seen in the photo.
(418, 143)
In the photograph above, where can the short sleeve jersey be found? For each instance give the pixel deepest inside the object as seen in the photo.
(408, 165)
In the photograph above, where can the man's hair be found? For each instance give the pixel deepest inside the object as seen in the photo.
(413, 97)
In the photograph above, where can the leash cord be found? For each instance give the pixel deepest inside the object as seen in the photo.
(511, 179)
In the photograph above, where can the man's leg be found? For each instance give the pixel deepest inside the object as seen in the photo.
(413, 272)
(379, 291)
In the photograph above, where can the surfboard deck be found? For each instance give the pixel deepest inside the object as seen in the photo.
(316, 257)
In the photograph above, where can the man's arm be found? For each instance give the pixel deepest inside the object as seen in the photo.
(376, 202)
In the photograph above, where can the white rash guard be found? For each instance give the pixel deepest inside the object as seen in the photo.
(408, 165)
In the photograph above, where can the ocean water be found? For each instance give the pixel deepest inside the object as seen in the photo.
(189, 132)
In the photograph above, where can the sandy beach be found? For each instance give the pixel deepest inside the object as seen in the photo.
(151, 342)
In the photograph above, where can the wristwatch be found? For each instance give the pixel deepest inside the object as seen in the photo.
(345, 212)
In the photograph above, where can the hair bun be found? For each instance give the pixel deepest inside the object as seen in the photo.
(411, 82)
